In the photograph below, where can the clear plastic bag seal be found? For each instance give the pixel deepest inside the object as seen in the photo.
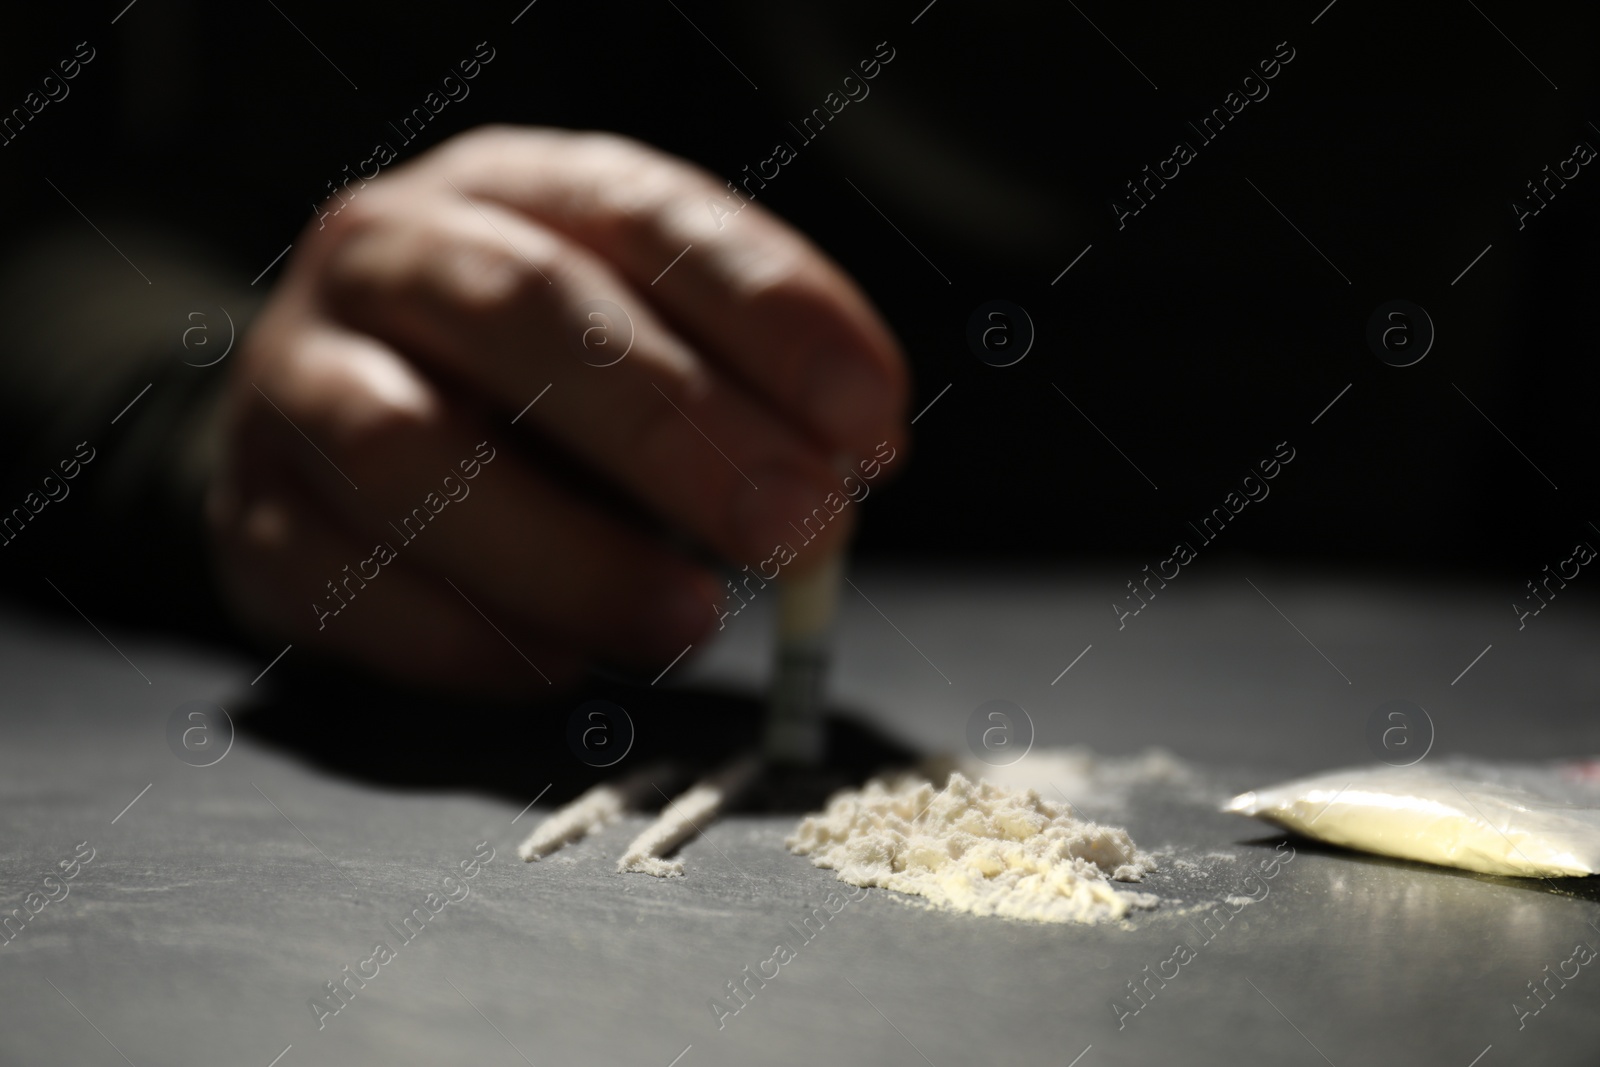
(1524, 820)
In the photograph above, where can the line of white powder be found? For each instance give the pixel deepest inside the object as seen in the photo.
(678, 821)
(590, 813)
(682, 818)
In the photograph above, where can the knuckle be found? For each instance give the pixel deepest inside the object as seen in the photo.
(611, 148)
(631, 211)
(615, 153)
(444, 258)
(487, 277)
(352, 242)
(781, 284)
(375, 424)
(339, 219)
(644, 192)
(469, 149)
(488, 134)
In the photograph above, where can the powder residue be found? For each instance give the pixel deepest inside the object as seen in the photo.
(682, 818)
(676, 823)
(976, 847)
(1089, 779)
(590, 813)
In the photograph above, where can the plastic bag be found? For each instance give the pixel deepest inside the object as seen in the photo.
(1527, 820)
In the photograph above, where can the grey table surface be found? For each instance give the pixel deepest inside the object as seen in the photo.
(218, 904)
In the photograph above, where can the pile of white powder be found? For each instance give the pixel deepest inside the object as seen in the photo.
(976, 847)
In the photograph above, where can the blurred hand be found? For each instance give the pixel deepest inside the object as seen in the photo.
(440, 299)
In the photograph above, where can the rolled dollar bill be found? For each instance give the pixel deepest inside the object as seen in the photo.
(807, 604)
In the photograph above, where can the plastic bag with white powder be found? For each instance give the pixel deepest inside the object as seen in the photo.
(1525, 820)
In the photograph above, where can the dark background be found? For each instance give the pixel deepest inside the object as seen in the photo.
(1196, 338)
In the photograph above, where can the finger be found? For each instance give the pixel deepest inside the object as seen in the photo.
(486, 296)
(279, 558)
(433, 489)
(761, 299)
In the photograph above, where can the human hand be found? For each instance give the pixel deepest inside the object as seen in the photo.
(409, 329)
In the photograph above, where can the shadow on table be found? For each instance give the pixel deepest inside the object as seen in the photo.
(376, 733)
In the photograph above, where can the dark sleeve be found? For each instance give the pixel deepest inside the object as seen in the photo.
(109, 424)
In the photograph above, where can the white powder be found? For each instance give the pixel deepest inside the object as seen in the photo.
(1530, 821)
(676, 823)
(1088, 779)
(976, 847)
(590, 813)
(683, 817)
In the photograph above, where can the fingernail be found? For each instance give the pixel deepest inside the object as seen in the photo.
(769, 515)
(848, 399)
